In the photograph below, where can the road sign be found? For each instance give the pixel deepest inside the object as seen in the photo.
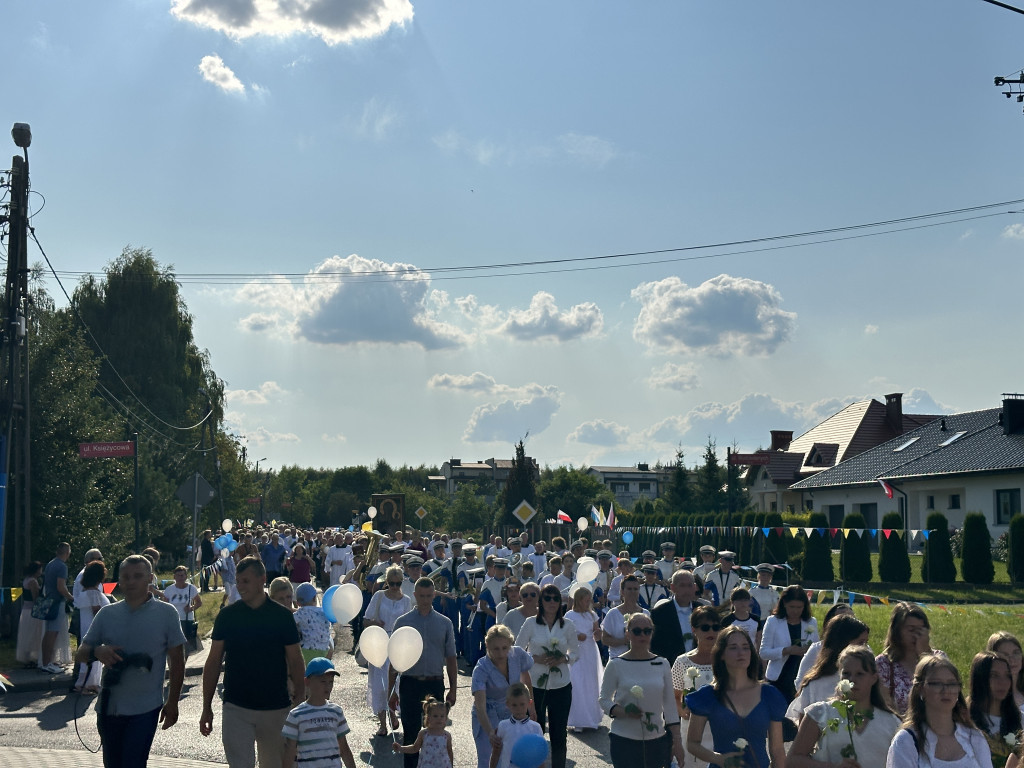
(750, 459)
(106, 450)
(421, 513)
(195, 492)
(524, 512)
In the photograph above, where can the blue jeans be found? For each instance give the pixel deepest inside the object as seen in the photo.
(127, 738)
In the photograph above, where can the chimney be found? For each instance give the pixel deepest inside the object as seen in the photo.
(781, 438)
(1013, 414)
(643, 467)
(894, 412)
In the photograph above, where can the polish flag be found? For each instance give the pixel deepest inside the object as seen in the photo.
(885, 487)
(564, 517)
(611, 515)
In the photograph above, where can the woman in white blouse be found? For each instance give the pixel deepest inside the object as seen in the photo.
(937, 727)
(786, 637)
(551, 640)
(385, 607)
(637, 694)
(820, 682)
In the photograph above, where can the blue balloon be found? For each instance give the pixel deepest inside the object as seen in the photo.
(627, 537)
(232, 545)
(530, 751)
(325, 603)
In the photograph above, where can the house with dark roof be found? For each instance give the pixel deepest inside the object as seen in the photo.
(630, 483)
(455, 472)
(955, 464)
(858, 427)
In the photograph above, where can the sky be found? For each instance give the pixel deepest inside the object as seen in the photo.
(355, 197)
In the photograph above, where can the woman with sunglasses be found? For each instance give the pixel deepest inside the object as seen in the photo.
(613, 628)
(551, 641)
(786, 637)
(637, 694)
(586, 670)
(529, 598)
(503, 665)
(692, 671)
(737, 706)
(385, 607)
(937, 727)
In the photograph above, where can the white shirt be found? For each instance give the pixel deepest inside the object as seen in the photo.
(615, 625)
(903, 752)
(338, 562)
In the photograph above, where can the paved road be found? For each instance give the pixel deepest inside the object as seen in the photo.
(47, 720)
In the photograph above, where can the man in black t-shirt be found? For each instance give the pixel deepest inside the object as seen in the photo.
(258, 642)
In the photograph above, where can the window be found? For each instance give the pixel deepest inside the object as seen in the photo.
(956, 436)
(620, 487)
(907, 444)
(775, 506)
(954, 501)
(1007, 505)
(645, 487)
(931, 503)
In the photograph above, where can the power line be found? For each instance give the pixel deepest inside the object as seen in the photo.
(103, 355)
(1004, 5)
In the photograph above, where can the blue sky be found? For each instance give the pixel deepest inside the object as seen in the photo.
(232, 137)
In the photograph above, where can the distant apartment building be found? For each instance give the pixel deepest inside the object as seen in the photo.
(630, 483)
(455, 472)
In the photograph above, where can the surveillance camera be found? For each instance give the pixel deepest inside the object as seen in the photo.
(22, 135)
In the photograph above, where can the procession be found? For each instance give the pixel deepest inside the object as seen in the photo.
(677, 660)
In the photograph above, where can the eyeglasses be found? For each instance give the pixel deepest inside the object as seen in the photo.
(937, 687)
(708, 627)
(528, 594)
(552, 598)
(637, 631)
(394, 583)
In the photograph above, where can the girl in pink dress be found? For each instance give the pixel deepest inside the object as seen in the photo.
(434, 743)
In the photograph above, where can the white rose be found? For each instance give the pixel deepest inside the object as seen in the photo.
(1010, 739)
(637, 691)
(740, 744)
(845, 687)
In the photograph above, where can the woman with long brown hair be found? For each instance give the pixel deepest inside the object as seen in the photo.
(906, 643)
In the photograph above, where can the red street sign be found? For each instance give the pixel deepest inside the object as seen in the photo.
(253, 500)
(105, 450)
(750, 459)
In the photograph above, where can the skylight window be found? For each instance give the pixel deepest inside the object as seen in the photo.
(956, 436)
(907, 444)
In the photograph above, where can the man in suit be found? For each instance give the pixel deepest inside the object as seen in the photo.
(671, 618)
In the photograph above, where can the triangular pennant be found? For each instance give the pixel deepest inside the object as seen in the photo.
(835, 596)
(765, 531)
(887, 532)
(867, 599)
(925, 534)
(873, 532)
(851, 598)
(808, 532)
(15, 593)
(846, 533)
(794, 531)
(821, 531)
(913, 533)
(821, 596)
(834, 531)
(884, 601)
(810, 595)
(860, 532)
(779, 531)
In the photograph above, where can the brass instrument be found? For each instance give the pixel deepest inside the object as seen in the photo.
(370, 558)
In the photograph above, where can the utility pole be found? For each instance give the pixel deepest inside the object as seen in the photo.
(15, 549)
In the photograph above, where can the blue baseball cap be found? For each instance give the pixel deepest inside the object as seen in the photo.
(306, 593)
(320, 666)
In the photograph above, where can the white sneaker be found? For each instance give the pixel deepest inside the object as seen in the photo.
(53, 669)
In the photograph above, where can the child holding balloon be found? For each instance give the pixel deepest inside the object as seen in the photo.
(433, 743)
(532, 750)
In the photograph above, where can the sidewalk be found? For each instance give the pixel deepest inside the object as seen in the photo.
(22, 757)
(35, 679)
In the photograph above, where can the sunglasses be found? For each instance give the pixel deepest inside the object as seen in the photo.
(552, 598)
(638, 631)
(529, 594)
(394, 583)
(708, 627)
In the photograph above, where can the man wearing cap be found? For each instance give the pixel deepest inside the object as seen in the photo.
(316, 731)
(724, 579)
(648, 557)
(425, 677)
(764, 595)
(624, 567)
(490, 594)
(707, 565)
(667, 564)
(413, 570)
(651, 591)
(671, 618)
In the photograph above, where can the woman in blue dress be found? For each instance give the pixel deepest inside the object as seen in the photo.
(504, 664)
(745, 713)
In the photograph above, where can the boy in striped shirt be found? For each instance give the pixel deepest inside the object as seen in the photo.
(316, 730)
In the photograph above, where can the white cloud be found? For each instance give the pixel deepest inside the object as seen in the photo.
(543, 320)
(259, 321)
(587, 150)
(337, 438)
(333, 21)
(353, 300)
(870, 329)
(920, 401)
(681, 378)
(214, 70)
(376, 120)
(1014, 232)
(723, 316)
(509, 420)
(260, 396)
(263, 436)
(475, 382)
(599, 432)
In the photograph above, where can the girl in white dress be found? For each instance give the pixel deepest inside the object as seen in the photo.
(817, 743)
(586, 671)
(385, 607)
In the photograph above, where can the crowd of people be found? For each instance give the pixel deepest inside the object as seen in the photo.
(693, 664)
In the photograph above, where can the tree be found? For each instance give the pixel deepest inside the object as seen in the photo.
(571, 490)
(678, 495)
(1015, 564)
(518, 488)
(817, 564)
(709, 494)
(774, 544)
(893, 560)
(854, 552)
(938, 566)
(736, 497)
(976, 554)
(468, 511)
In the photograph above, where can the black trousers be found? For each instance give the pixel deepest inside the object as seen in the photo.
(553, 715)
(631, 753)
(411, 693)
(127, 738)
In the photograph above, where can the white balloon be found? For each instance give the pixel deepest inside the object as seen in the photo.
(371, 512)
(373, 642)
(587, 571)
(573, 588)
(225, 552)
(346, 602)
(227, 525)
(582, 523)
(405, 648)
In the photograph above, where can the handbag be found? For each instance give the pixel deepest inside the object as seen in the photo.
(76, 624)
(190, 629)
(46, 608)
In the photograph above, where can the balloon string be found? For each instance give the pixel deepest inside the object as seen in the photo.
(394, 692)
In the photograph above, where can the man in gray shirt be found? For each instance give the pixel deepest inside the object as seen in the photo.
(135, 639)
(424, 678)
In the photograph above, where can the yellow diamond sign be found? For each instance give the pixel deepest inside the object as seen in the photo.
(421, 513)
(524, 512)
